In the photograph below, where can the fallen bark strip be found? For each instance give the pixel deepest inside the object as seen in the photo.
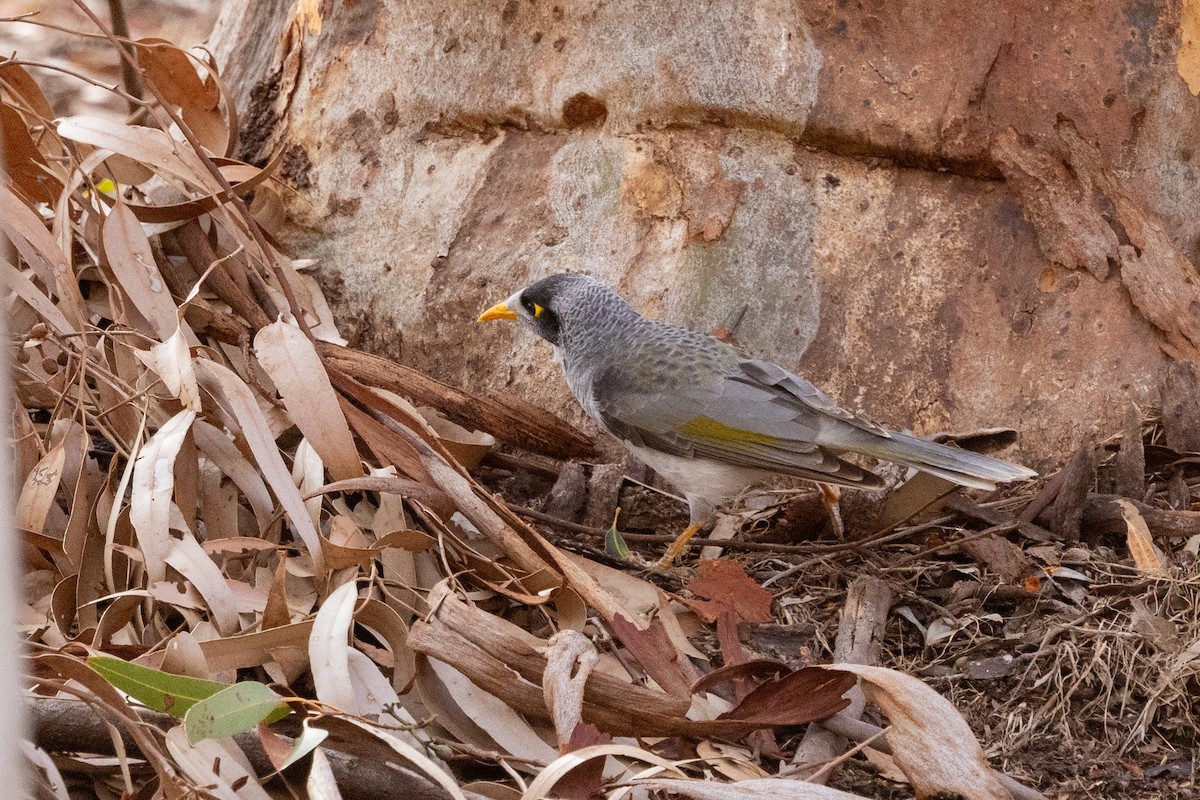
(859, 641)
(493, 676)
(1079, 478)
(526, 654)
(1104, 512)
(859, 731)
(72, 726)
(505, 417)
(498, 679)
(1129, 465)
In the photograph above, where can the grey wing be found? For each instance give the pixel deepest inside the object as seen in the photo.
(748, 413)
(794, 388)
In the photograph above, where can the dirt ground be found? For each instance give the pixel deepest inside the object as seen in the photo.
(1076, 671)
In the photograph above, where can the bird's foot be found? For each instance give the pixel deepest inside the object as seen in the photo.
(831, 496)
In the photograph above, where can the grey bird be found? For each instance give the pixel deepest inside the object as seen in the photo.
(707, 418)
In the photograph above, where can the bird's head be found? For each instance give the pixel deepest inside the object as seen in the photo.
(556, 303)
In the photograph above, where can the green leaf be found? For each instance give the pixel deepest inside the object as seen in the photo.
(161, 691)
(614, 542)
(232, 710)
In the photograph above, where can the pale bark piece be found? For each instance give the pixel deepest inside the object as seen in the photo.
(727, 527)
(930, 740)
(570, 660)
(604, 491)
(859, 641)
(290, 359)
(1145, 553)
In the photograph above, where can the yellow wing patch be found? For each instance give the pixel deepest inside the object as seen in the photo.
(703, 427)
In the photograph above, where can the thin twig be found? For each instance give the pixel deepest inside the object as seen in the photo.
(129, 74)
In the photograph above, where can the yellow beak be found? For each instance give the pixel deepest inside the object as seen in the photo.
(498, 311)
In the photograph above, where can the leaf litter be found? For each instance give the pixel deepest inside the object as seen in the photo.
(318, 555)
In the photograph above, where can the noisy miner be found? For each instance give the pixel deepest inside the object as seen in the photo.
(707, 418)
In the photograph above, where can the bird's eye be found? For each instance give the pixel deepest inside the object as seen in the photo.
(532, 307)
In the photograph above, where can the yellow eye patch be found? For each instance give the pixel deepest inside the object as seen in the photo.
(537, 310)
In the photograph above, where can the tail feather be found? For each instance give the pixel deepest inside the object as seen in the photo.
(955, 465)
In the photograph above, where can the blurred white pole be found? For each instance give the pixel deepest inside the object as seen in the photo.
(12, 701)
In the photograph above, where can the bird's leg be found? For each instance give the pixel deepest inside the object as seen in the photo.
(679, 545)
(830, 496)
(701, 514)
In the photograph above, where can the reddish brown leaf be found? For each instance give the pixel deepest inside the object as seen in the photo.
(802, 696)
(653, 650)
(174, 74)
(732, 598)
(746, 670)
(585, 781)
(18, 81)
(23, 161)
(725, 586)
